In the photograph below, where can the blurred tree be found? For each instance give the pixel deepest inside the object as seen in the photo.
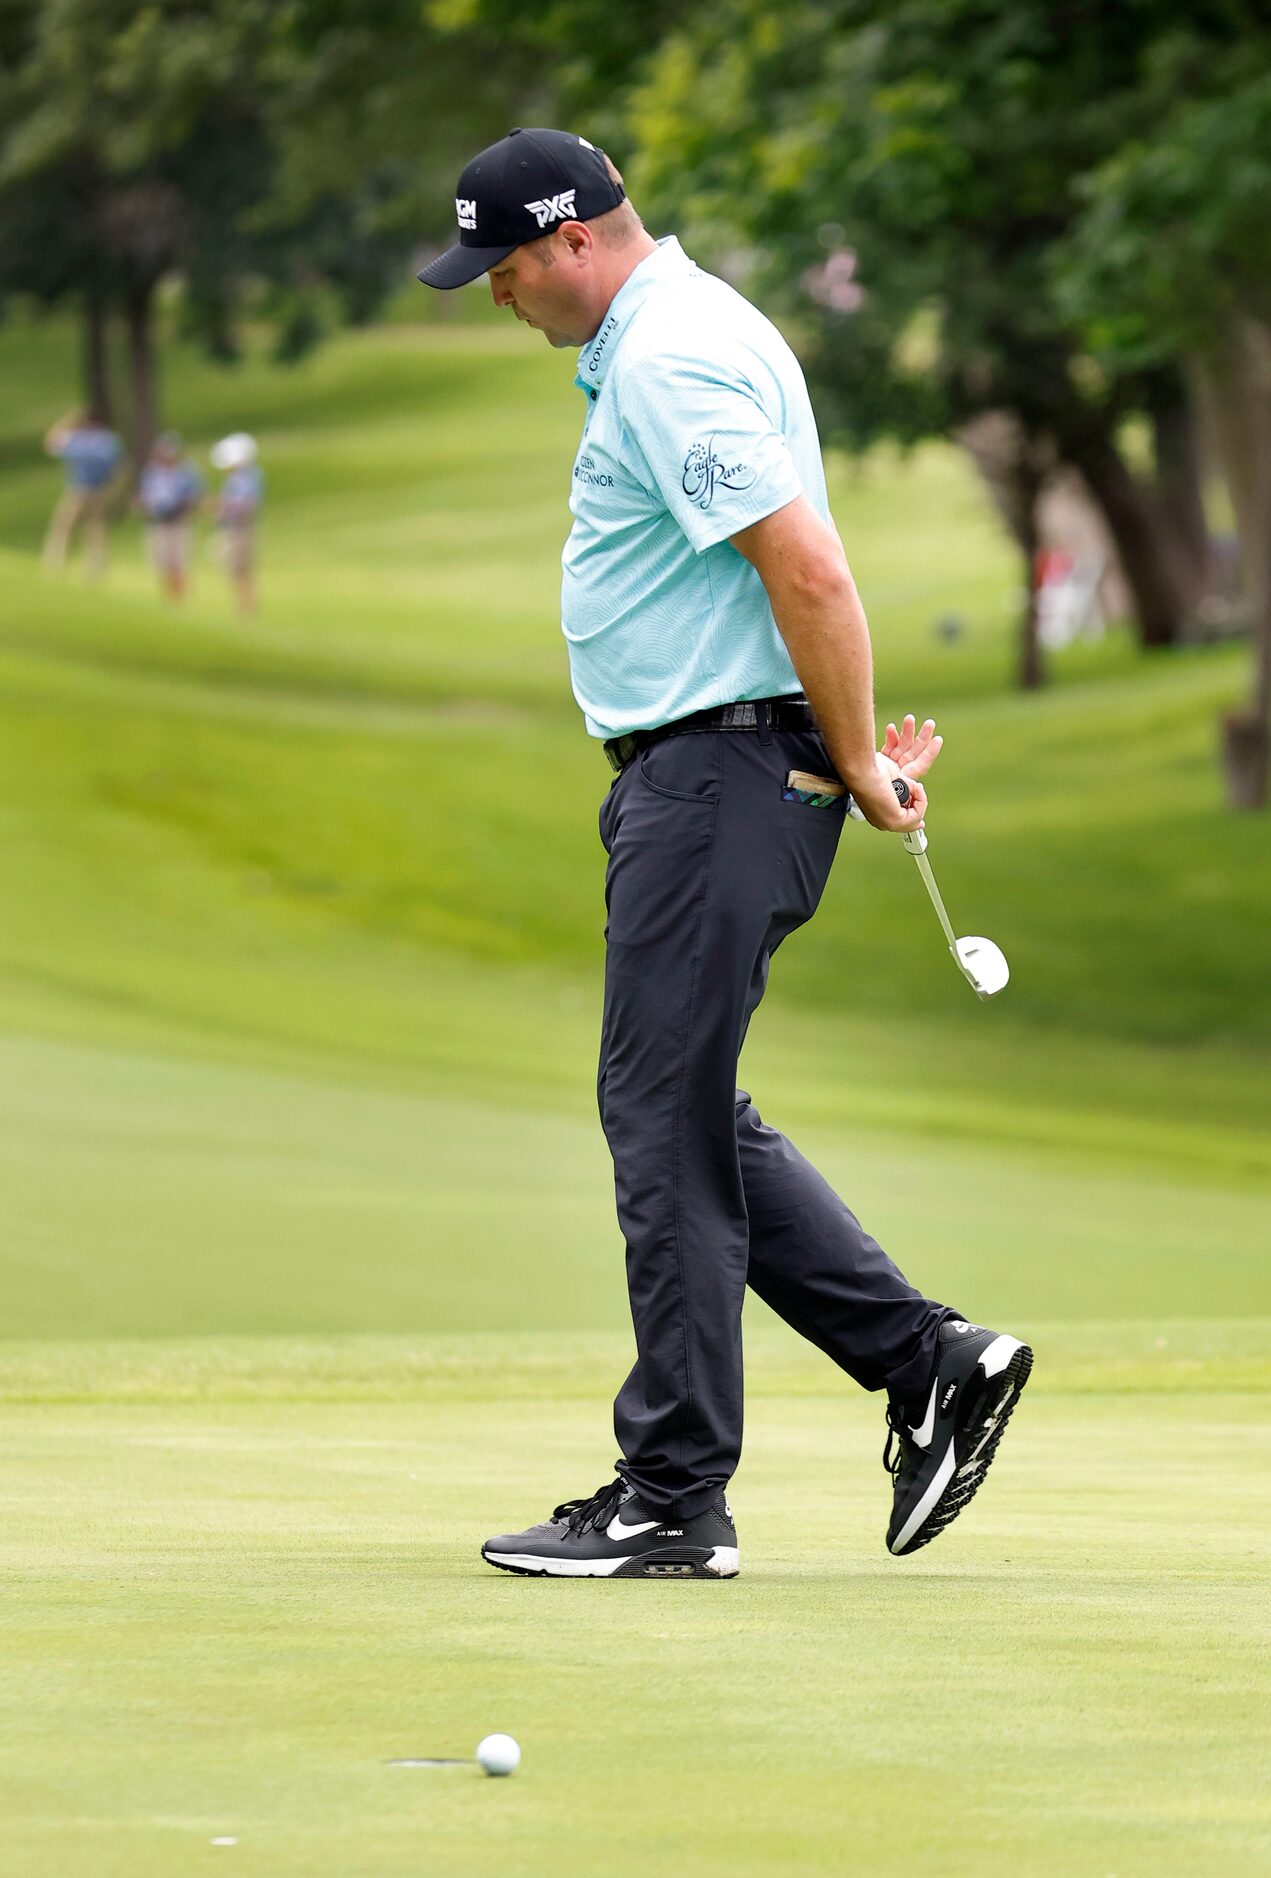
(46, 249)
(284, 142)
(133, 138)
(387, 100)
(1170, 256)
(896, 177)
(939, 143)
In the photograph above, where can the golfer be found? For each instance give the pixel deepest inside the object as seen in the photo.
(720, 653)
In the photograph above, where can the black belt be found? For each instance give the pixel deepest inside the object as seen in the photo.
(788, 713)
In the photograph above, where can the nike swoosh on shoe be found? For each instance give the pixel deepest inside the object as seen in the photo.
(617, 1531)
(927, 1426)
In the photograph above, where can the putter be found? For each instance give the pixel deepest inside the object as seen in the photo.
(981, 963)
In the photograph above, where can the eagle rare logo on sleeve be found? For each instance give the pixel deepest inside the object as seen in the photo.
(705, 471)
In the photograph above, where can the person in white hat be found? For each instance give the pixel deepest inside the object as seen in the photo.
(238, 504)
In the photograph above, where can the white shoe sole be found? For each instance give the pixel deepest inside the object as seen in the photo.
(724, 1562)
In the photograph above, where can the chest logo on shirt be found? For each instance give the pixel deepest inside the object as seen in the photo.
(585, 471)
(705, 471)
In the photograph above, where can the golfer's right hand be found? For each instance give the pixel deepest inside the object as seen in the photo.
(913, 751)
(879, 804)
(906, 752)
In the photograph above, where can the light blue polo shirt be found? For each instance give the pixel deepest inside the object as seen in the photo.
(90, 453)
(698, 424)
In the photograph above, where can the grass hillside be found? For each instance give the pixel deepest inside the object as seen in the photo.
(335, 873)
(309, 1275)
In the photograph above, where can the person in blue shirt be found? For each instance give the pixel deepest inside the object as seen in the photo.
(719, 650)
(168, 495)
(238, 506)
(92, 455)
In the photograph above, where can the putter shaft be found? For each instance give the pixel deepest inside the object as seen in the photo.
(981, 962)
(917, 846)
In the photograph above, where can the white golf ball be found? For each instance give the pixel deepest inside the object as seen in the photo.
(499, 1754)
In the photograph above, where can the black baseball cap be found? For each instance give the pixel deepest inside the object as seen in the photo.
(520, 188)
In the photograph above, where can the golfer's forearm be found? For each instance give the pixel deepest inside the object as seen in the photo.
(800, 560)
(828, 641)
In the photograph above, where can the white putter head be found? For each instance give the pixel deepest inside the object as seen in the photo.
(983, 966)
(981, 963)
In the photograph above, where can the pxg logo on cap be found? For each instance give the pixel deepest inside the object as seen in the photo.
(517, 190)
(554, 208)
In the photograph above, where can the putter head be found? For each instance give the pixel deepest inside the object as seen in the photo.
(983, 966)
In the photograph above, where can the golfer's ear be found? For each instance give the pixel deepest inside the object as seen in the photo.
(578, 238)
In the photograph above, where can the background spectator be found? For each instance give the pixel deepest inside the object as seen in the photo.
(237, 507)
(92, 454)
(167, 495)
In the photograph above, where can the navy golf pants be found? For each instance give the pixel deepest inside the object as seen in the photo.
(709, 870)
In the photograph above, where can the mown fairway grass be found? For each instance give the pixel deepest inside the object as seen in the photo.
(309, 1276)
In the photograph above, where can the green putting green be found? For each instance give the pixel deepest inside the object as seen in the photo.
(241, 1581)
(309, 1275)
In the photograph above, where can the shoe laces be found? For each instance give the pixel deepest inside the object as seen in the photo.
(894, 1457)
(584, 1515)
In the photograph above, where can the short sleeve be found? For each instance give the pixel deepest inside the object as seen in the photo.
(712, 450)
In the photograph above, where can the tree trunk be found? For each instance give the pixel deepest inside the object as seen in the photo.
(97, 359)
(1158, 604)
(1013, 465)
(1244, 751)
(1222, 379)
(141, 364)
(1178, 499)
(1243, 380)
(1032, 669)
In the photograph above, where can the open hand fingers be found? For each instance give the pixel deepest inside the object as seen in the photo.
(910, 749)
(926, 749)
(901, 741)
(907, 738)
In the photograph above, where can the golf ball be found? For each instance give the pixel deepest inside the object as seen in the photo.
(499, 1754)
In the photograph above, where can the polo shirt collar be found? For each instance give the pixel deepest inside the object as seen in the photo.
(667, 262)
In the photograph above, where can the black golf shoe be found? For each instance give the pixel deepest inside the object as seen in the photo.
(615, 1535)
(940, 1458)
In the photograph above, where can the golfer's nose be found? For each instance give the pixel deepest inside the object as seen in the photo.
(500, 295)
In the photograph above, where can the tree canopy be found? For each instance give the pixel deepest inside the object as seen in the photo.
(301, 146)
